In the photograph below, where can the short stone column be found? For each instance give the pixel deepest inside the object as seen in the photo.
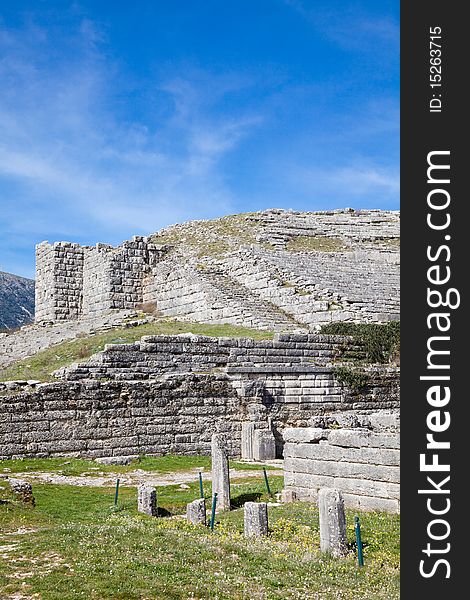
(196, 512)
(23, 491)
(255, 518)
(332, 522)
(147, 500)
(220, 471)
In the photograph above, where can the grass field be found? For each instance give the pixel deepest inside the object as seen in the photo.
(76, 544)
(42, 364)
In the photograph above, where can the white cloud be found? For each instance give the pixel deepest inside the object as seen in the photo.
(73, 159)
(361, 181)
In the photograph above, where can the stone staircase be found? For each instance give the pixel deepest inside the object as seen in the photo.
(257, 312)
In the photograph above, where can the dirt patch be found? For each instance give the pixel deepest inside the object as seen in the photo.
(132, 478)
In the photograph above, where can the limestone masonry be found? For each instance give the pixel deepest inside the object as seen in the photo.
(283, 271)
(279, 270)
(171, 393)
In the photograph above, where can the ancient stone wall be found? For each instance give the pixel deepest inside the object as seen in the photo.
(361, 461)
(175, 413)
(167, 382)
(152, 356)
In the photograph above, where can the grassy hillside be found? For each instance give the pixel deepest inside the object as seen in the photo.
(41, 365)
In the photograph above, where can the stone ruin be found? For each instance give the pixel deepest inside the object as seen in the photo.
(278, 270)
(283, 271)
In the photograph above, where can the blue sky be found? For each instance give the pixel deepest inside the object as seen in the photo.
(118, 118)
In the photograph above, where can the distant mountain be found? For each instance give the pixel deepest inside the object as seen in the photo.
(16, 301)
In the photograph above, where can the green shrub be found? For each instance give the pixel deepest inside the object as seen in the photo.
(352, 378)
(381, 342)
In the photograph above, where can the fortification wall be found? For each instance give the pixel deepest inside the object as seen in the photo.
(168, 393)
(362, 462)
(59, 281)
(91, 419)
(271, 275)
(74, 281)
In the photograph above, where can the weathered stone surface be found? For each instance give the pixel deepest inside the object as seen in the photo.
(247, 432)
(196, 511)
(304, 434)
(147, 500)
(363, 439)
(255, 518)
(333, 537)
(344, 469)
(282, 290)
(220, 471)
(288, 496)
(362, 463)
(264, 445)
(23, 490)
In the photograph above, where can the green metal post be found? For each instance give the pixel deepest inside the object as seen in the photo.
(116, 493)
(201, 489)
(214, 504)
(266, 481)
(357, 528)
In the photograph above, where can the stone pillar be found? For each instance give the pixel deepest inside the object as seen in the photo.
(147, 500)
(248, 430)
(196, 512)
(220, 471)
(264, 445)
(23, 490)
(332, 522)
(255, 517)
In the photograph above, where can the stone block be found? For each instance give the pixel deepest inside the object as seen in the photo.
(264, 445)
(147, 500)
(220, 471)
(247, 432)
(23, 491)
(196, 512)
(288, 496)
(333, 538)
(255, 519)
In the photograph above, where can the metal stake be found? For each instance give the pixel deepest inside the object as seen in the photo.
(357, 528)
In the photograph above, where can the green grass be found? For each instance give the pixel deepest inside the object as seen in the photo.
(81, 546)
(41, 365)
(306, 243)
(212, 238)
(170, 463)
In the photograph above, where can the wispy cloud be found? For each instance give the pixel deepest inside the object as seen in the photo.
(350, 28)
(350, 183)
(61, 139)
